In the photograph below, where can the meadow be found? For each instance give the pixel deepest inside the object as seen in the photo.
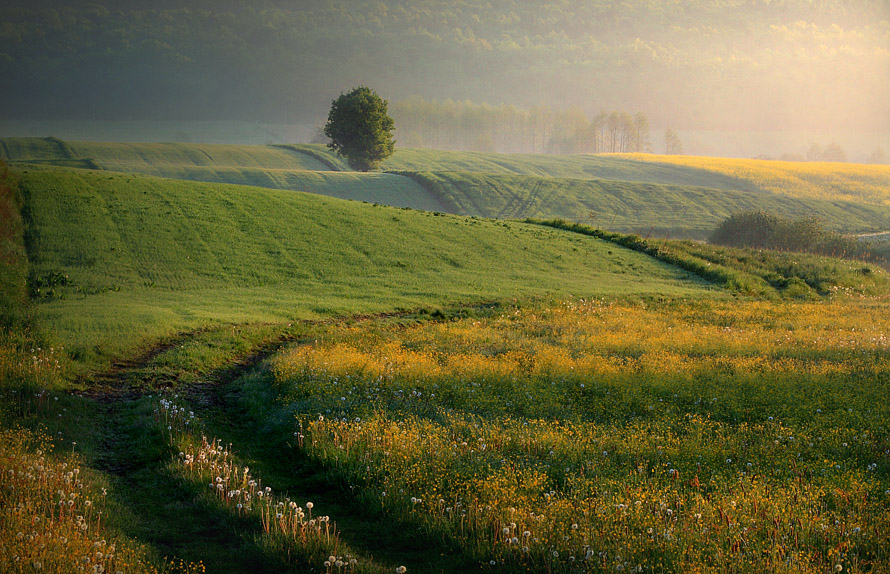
(824, 180)
(645, 194)
(117, 261)
(234, 378)
(594, 435)
(647, 209)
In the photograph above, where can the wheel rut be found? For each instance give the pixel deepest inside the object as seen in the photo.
(172, 516)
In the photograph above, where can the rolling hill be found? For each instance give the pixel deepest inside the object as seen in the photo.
(282, 325)
(642, 208)
(117, 260)
(644, 194)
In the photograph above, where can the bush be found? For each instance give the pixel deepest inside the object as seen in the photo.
(762, 230)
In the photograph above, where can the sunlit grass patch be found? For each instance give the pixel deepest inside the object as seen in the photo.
(844, 181)
(607, 436)
(53, 518)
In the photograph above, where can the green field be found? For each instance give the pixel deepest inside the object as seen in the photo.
(644, 209)
(455, 393)
(647, 195)
(126, 258)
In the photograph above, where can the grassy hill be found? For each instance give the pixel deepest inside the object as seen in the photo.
(641, 208)
(147, 157)
(644, 194)
(117, 260)
(605, 357)
(822, 180)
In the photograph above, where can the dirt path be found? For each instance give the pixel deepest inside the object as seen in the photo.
(168, 514)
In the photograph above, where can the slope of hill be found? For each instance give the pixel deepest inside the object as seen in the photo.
(121, 259)
(148, 157)
(821, 180)
(645, 194)
(642, 208)
(562, 166)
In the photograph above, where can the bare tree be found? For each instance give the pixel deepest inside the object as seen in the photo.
(672, 143)
(877, 156)
(640, 141)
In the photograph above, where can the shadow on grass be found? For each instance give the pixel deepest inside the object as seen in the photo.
(167, 513)
(175, 518)
(260, 434)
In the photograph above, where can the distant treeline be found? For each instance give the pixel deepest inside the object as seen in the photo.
(506, 128)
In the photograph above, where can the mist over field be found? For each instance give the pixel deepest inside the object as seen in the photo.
(734, 77)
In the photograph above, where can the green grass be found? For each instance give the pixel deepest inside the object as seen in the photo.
(642, 194)
(632, 345)
(119, 260)
(641, 208)
(758, 272)
(386, 188)
(560, 166)
(145, 157)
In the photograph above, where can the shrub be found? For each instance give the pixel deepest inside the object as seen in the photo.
(762, 230)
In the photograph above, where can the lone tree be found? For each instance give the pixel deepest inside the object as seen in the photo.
(360, 129)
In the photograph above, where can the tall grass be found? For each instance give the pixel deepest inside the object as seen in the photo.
(596, 436)
(759, 272)
(289, 529)
(53, 515)
(13, 256)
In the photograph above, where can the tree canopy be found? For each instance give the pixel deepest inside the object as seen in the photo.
(360, 129)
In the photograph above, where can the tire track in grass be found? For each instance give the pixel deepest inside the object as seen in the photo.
(177, 519)
(261, 443)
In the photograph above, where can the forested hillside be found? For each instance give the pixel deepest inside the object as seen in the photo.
(705, 64)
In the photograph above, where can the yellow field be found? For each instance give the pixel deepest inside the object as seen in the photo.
(605, 436)
(818, 180)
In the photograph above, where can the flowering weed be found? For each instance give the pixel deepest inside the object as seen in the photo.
(594, 435)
